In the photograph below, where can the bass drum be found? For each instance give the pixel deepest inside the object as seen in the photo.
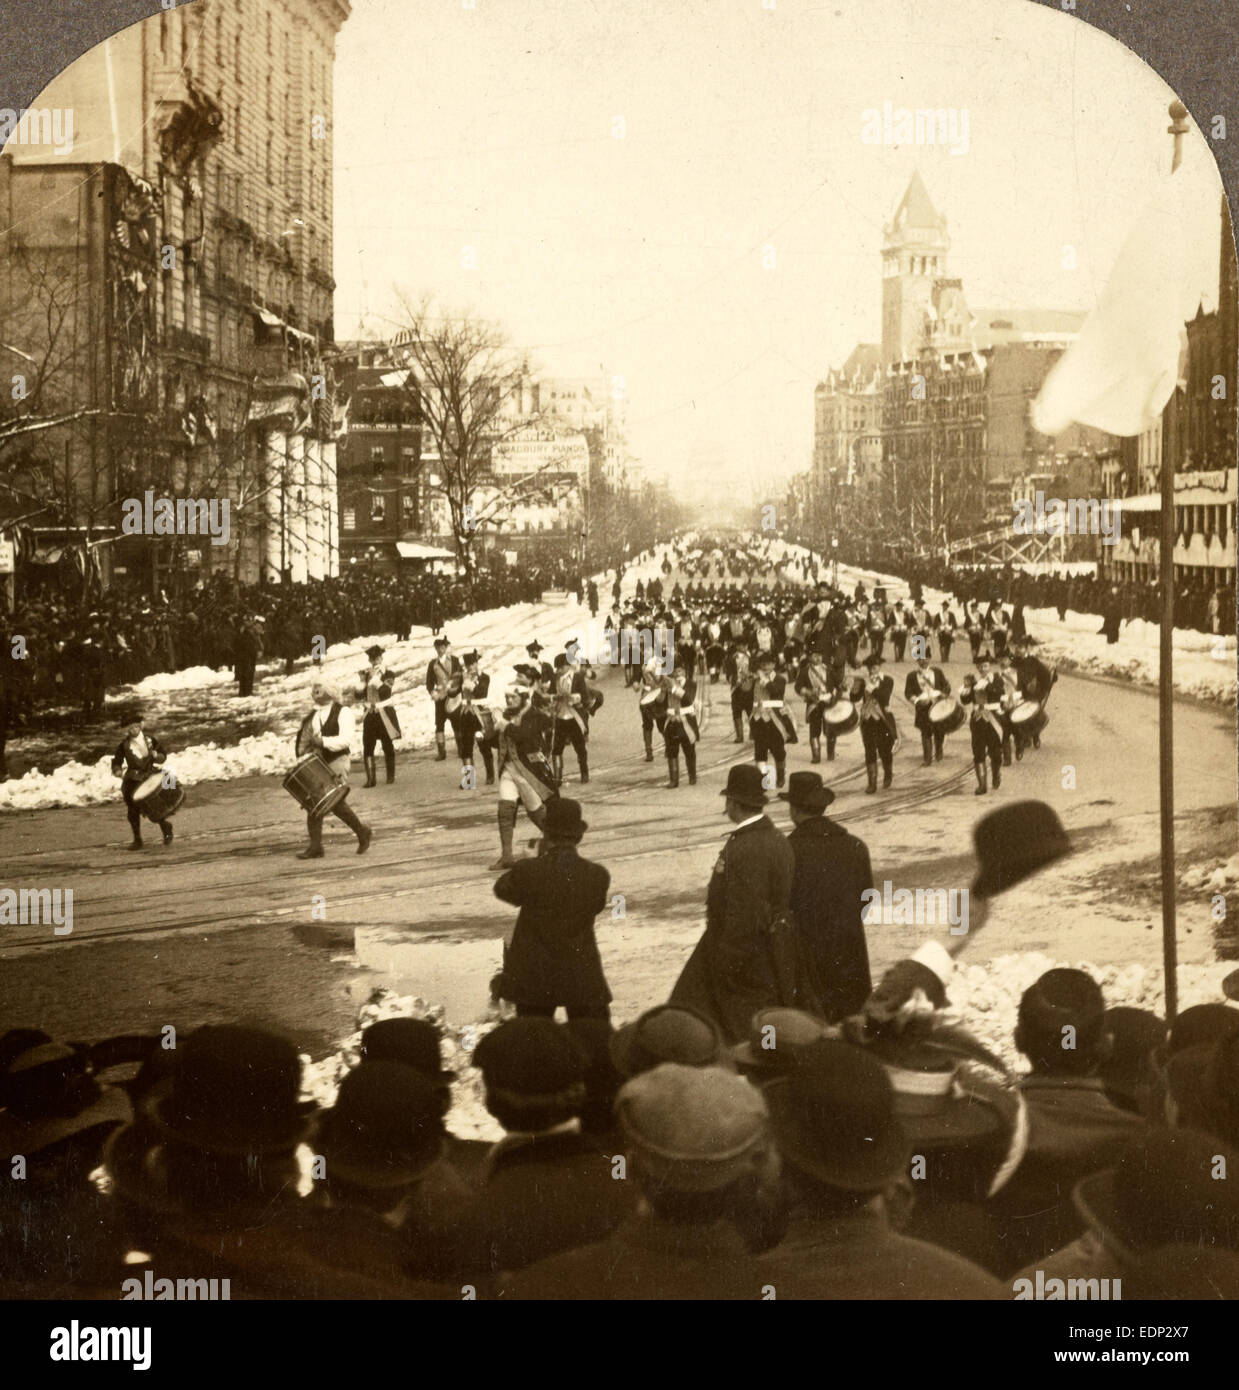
(314, 786)
(157, 802)
(842, 717)
(1029, 717)
(946, 716)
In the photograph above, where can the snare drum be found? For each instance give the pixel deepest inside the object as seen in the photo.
(155, 801)
(1028, 717)
(314, 786)
(945, 716)
(842, 717)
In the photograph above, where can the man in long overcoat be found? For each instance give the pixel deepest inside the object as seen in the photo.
(832, 873)
(735, 968)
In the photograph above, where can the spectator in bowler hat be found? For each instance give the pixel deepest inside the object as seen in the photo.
(548, 1186)
(832, 871)
(553, 958)
(735, 968)
(843, 1148)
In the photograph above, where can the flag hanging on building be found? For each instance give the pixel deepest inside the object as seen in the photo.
(1119, 373)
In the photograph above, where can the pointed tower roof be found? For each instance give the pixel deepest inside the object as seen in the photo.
(915, 207)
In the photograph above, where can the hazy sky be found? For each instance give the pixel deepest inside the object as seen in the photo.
(496, 127)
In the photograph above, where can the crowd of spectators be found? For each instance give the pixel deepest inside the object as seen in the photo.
(649, 1162)
(1199, 606)
(74, 648)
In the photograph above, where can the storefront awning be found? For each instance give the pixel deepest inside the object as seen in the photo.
(414, 550)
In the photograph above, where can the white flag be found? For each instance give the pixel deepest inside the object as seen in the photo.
(1119, 373)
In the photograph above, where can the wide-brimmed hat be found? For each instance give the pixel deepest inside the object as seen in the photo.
(234, 1091)
(1162, 1191)
(533, 647)
(386, 1127)
(668, 1033)
(412, 1041)
(744, 784)
(1013, 842)
(48, 1093)
(834, 1118)
(933, 1097)
(776, 1037)
(695, 1129)
(807, 792)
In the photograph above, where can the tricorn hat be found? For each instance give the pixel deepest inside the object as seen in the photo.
(374, 652)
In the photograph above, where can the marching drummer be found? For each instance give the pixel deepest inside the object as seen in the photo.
(443, 680)
(1011, 732)
(984, 691)
(771, 722)
(814, 685)
(331, 732)
(381, 724)
(525, 774)
(872, 693)
(681, 730)
(1034, 676)
(136, 758)
(476, 722)
(923, 688)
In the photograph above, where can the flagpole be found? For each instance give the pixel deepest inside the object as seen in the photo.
(1178, 128)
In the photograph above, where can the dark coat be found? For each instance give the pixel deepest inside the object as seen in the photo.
(731, 973)
(832, 871)
(647, 1258)
(553, 956)
(546, 1193)
(858, 1256)
(1074, 1130)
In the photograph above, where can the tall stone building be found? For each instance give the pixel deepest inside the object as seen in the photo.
(212, 124)
(920, 303)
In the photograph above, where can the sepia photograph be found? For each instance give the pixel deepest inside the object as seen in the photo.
(617, 664)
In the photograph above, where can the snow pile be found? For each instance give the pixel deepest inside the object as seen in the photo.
(191, 676)
(468, 1117)
(986, 997)
(1217, 880)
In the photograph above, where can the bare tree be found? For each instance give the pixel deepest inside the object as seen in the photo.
(467, 378)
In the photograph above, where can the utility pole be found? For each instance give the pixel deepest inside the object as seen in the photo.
(1171, 447)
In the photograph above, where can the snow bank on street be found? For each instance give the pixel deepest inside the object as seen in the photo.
(499, 634)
